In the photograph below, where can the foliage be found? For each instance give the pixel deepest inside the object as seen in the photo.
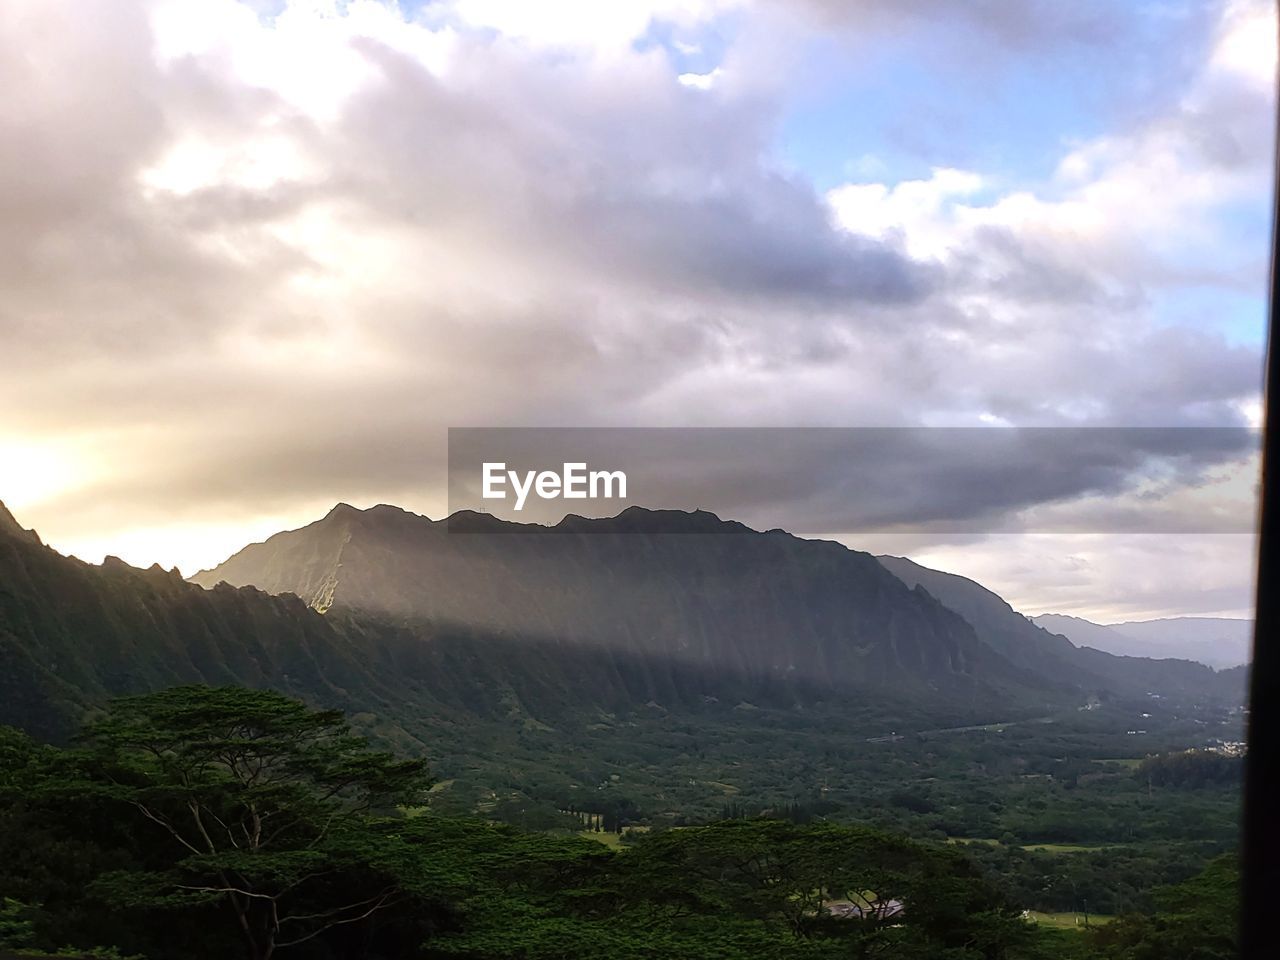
(1191, 768)
(1196, 920)
(203, 824)
(264, 800)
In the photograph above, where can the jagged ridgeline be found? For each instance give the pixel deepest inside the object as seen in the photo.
(419, 623)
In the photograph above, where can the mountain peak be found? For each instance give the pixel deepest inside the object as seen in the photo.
(645, 520)
(381, 511)
(9, 526)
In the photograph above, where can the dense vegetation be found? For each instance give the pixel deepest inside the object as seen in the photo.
(220, 822)
(588, 800)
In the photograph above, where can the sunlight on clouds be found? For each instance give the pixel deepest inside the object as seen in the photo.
(1252, 411)
(306, 53)
(32, 472)
(180, 28)
(188, 546)
(195, 163)
(349, 260)
(1247, 43)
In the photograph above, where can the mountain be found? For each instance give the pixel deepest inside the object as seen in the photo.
(73, 634)
(431, 634)
(1027, 642)
(691, 589)
(1084, 633)
(437, 631)
(1215, 641)
(997, 623)
(11, 528)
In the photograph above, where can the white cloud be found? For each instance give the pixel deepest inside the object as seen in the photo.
(1246, 43)
(914, 212)
(260, 161)
(1125, 207)
(700, 81)
(306, 54)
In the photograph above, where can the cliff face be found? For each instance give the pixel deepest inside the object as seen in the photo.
(73, 634)
(684, 587)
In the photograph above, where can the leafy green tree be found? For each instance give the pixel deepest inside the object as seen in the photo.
(271, 807)
(17, 928)
(1195, 920)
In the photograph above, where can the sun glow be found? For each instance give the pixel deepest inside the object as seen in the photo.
(32, 473)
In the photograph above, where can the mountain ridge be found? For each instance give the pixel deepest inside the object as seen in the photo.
(387, 561)
(678, 609)
(610, 583)
(1218, 642)
(1025, 638)
(73, 634)
(9, 525)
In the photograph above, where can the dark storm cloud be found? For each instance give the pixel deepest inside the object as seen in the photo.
(857, 481)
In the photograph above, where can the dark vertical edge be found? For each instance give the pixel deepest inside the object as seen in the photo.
(1261, 848)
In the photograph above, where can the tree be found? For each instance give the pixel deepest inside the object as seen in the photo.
(911, 900)
(269, 806)
(1197, 919)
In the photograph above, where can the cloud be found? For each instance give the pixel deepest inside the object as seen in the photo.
(940, 481)
(1054, 286)
(1014, 23)
(256, 263)
(584, 23)
(1103, 577)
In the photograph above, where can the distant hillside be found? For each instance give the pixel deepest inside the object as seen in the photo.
(1215, 641)
(1028, 642)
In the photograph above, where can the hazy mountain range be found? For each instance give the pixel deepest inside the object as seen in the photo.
(1215, 641)
(414, 624)
(1056, 655)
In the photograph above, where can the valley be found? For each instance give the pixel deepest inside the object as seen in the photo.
(656, 672)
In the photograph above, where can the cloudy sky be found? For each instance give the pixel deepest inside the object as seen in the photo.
(258, 256)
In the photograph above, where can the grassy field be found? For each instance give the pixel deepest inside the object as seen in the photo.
(1068, 847)
(1066, 921)
(1039, 847)
(611, 840)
